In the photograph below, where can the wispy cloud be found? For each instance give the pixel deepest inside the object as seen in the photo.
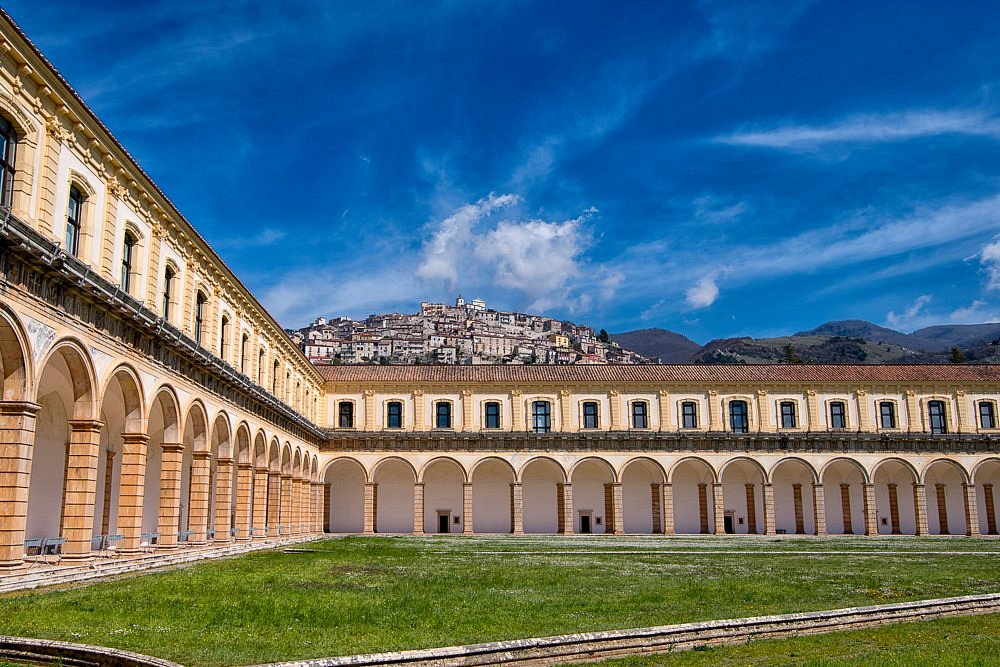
(703, 293)
(989, 257)
(913, 314)
(868, 128)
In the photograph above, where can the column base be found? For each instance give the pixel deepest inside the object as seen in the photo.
(76, 558)
(12, 567)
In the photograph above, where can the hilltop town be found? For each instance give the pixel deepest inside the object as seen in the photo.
(464, 333)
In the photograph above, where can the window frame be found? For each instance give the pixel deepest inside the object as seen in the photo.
(8, 162)
(788, 420)
(389, 416)
(487, 416)
(645, 414)
(167, 296)
(992, 405)
(449, 414)
(843, 416)
(941, 428)
(545, 425)
(881, 404)
(351, 413)
(129, 244)
(244, 352)
(745, 404)
(684, 415)
(200, 299)
(74, 226)
(590, 415)
(224, 323)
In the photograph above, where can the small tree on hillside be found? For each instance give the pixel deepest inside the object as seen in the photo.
(957, 357)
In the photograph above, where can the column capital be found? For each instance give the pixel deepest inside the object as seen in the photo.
(173, 446)
(19, 408)
(86, 425)
(201, 456)
(135, 438)
(260, 469)
(224, 461)
(244, 465)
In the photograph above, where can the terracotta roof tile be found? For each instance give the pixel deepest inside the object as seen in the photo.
(664, 374)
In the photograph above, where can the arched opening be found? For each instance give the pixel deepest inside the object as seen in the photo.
(946, 511)
(13, 361)
(195, 476)
(273, 486)
(844, 498)
(220, 484)
(285, 504)
(19, 420)
(642, 495)
(66, 440)
(895, 497)
(492, 497)
(794, 497)
(258, 486)
(593, 497)
(692, 483)
(121, 414)
(159, 518)
(242, 484)
(393, 499)
(987, 480)
(743, 482)
(444, 498)
(541, 488)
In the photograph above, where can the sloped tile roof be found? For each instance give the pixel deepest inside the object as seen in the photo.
(664, 374)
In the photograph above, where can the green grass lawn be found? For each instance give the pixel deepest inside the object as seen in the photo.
(948, 642)
(358, 595)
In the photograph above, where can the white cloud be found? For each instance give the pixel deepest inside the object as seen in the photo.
(714, 210)
(447, 249)
(989, 257)
(869, 128)
(704, 293)
(913, 317)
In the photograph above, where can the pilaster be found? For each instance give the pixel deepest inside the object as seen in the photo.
(259, 512)
(223, 499)
(467, 508)
(971, 511)
(714, 411)
(769, 528)
(244, 480)
(369, 511)
(871, 513)
(81, 487)
(131, 490)
(285, 505)
(517, 508)
(668, 509)
(920, 508)
(819, 506)
(615, 403)
(719, 509)
(201, 470)
(17, 435)
(618, 521)
(418, 508)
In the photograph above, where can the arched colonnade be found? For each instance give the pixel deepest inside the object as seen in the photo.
(661, 494)
(86, 455)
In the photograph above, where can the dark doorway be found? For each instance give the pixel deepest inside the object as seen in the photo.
(444, 523)
(728, 524)
(585, 524)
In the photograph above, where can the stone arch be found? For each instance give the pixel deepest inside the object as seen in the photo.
(844, 495)
(123, 417)
(164, 466)
(394, 479)
(594, 502)
(196, 428)
(492, 480)
(16, 371)
(274, 456)
(241, 489)
(986, 477)
(222, 445)
(67, 436)
(896, 496)
(260, 449)
(743, 482)
(314, 470)
(242, 452)
(344, 480)
(286, 459)
(440, 459)
(794, 481)
(945, 483)
(642, 480)
(444, 481)
(692, 484)
(542, 479)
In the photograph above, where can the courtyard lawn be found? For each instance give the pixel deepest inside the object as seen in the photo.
(355, 595)
(950, 642)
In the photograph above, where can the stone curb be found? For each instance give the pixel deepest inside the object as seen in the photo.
(586, 647)
(101, 570)
(43, 651)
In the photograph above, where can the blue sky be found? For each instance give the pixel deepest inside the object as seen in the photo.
(714, 168)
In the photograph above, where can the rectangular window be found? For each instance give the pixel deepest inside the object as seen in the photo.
(394, 415)
(787, 414)
(345, 415)
(640, 418)
(838, 415)
(739, 420)
(442, 415)
(887, 414)
(935, 411)
(987, 415)
(689, 414)
(199, 316)
(541, 416)
(492, 415)
(128, 249)
(8, 146)
(74, 220)
(590, 419)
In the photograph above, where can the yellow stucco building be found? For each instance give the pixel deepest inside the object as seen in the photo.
(149, 401)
